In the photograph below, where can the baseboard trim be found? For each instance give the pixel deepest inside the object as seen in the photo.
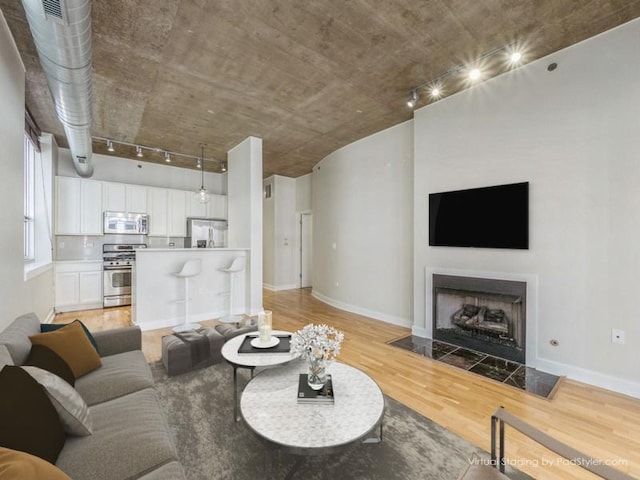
(590, 377)
(50, 316)
(403, 322)
(75, 308)
(277, 288)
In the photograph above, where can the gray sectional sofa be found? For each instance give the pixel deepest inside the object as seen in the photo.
(131, 439)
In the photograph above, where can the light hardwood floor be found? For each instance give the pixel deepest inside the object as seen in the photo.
(598, 422)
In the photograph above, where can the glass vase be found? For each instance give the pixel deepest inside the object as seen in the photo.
(317, 375)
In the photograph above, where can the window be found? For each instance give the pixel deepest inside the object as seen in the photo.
(38, 187)
(31, 156)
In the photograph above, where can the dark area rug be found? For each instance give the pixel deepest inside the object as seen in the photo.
(199, 409)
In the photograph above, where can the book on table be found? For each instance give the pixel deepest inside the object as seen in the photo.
(308, 395)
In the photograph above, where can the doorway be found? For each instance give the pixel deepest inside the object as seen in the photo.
(305, 226)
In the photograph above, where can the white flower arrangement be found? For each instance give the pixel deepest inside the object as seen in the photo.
(317, 341)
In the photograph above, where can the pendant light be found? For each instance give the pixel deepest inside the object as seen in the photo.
(202, 194)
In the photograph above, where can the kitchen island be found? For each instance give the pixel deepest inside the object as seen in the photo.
(158, 296)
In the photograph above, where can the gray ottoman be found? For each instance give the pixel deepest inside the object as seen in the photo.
(228, 331)
(179, 356)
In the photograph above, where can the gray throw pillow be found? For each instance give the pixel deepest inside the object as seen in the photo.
(72, 409)
(5, 357)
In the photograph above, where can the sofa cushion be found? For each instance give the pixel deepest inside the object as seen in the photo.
(169, 471)
(46, 359)
(16, 336)
(5, 356)
(130, 438)
(72, 409)
(28, 421)
(119, 375)
(52, 327)
(20, 465)
(71, 343)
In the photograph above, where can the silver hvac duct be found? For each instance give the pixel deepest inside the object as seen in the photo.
(61, 30)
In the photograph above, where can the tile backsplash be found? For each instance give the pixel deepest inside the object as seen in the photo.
(76, 247)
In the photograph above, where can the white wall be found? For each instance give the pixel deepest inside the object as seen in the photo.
(303, 193)
(362, 225)
(244, 184)
(573, 134)
(16, 295)
(285, 233)
(124, 170)
(268, 236)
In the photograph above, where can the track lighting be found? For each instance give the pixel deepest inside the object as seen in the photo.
(475, 71)
(413, 99)
(155, 152)
(475, 74)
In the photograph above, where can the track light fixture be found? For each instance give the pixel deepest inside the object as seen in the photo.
(167, 154)
(475, 71)
(413, 99)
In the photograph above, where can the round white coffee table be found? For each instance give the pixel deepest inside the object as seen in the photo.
(250, 360)
(270, 409)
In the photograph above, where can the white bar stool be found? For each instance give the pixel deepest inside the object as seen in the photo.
(237, 265)
(191, 268)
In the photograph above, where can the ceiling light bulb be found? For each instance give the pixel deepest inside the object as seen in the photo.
(167, 157)
(515, 57)
(474, 74)
(110, 146)
(139, 151)
(198, 164)
(224, 167)
(435, 92)
(413, 99)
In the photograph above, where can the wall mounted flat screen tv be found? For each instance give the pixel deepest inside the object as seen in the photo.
(488, 217)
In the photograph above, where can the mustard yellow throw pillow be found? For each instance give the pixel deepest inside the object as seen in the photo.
(22, 466)
(72, 344)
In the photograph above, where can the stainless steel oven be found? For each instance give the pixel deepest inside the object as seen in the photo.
(117, 268)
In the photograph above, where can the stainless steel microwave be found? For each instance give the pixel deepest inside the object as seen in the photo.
(125, 223)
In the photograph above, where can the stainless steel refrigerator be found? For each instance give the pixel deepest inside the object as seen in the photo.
(206, 233)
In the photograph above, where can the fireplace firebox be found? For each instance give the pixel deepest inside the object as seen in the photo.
(482, 314)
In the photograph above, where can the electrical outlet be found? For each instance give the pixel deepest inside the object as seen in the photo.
(617, 336)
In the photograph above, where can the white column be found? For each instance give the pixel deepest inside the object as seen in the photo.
(244, 190)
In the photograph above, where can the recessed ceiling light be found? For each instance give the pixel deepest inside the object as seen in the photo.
(436, 92)
(515, 57)
(475, 74)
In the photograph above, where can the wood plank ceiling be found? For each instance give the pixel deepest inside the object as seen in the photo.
(308, 77)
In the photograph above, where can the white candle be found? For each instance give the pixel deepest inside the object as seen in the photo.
(265, 333)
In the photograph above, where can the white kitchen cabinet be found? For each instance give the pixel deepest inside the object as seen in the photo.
(177, 217)
(157, 208)
(78, 285)
(122, 197)
(78, 206)
(114, 197)
(136, 199)
(194, 207)
(217, 206)
(67, 206)
(90, 207)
